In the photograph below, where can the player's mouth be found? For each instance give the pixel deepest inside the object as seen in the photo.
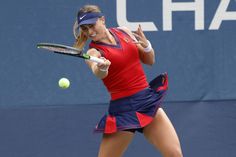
(93, 35)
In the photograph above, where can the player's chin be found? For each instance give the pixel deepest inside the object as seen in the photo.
(95, 37)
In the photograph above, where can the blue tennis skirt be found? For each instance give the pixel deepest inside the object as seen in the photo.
(135, 111)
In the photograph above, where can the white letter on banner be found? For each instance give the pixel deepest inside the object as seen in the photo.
(122, 18)
(222, 14)
(169, 7)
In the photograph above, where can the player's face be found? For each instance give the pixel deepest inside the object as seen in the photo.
(95, 31)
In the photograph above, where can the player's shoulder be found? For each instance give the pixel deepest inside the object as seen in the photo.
(124, 28)
(127, 31)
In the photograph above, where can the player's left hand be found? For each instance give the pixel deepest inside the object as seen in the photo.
(140, 36)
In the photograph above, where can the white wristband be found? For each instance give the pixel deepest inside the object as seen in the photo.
(148, 48)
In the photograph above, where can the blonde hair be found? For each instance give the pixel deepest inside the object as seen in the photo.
(80, 37)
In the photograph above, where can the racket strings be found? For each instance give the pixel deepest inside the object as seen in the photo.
(62, 50)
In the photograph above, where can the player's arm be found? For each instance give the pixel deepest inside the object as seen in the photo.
(146, 52)
(100, 70)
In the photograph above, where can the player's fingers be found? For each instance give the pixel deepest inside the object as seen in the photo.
(105, 66)
(100, 64)
(106, 62)
(138, 42)
(141, 31)
(140, 38)
(137, 36)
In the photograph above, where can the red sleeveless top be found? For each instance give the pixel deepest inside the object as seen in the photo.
(126, 76)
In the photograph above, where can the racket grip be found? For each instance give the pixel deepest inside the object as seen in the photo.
(95, 59)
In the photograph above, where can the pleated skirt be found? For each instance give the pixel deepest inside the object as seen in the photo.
(135, 111)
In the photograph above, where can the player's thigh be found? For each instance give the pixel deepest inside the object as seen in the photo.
(114, 145)
(162, 135)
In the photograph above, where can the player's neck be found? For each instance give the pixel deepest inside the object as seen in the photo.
(108, 38)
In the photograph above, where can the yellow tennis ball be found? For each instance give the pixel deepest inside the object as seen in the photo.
(64, 83)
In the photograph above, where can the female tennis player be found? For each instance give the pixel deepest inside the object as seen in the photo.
(135, 104)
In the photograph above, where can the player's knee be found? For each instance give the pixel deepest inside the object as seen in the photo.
(175, 152)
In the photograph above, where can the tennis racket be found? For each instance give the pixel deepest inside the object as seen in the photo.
(68, 50)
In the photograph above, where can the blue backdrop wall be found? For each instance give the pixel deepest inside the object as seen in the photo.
(194, 43)
(200, 63)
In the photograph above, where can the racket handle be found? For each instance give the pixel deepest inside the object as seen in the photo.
(95, 59)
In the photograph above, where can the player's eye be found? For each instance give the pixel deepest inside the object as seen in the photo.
(86, 27)
(83, 28)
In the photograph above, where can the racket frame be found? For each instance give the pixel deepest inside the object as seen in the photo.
(68, 50)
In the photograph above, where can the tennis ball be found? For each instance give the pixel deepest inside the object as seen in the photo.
(64, 83)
